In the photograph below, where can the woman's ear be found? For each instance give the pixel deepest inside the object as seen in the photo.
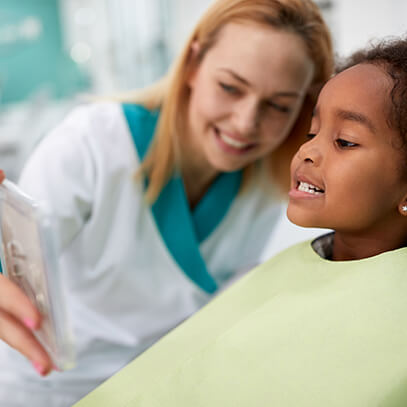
(193, 62)
(195, 48)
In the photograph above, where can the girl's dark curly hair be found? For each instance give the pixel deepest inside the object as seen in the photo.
(391, 56)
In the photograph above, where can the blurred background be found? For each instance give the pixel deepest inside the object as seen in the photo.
(55, 52)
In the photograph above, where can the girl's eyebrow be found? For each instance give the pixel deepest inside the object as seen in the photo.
(357, 117)
(247, 83)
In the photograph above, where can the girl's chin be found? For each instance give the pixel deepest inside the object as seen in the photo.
(300, 219)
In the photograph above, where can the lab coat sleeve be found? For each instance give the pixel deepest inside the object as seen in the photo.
(61, 172)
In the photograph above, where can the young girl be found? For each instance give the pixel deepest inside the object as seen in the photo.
(141, 254)
(324, 323)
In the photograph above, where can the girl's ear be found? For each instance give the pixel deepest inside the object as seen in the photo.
(403, 206)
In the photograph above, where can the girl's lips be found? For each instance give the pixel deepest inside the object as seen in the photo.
(304, 179)
(296, 194)
(305, 188)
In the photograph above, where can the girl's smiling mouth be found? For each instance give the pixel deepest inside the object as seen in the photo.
(309, 188)
(304, 188)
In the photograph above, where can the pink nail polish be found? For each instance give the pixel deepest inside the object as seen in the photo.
(29, 323)
(39, 368)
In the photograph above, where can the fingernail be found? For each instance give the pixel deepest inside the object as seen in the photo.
(39, 368)
(29, 323)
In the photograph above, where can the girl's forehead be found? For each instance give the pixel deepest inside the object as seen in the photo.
(363, 87)
(360, 95)
(362, 78)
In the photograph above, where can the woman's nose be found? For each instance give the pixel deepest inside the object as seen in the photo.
(247, 117)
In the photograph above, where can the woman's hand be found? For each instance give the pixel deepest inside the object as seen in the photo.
(18, 320)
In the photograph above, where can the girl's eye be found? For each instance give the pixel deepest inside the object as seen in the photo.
(345, 144)
(280, 108)
(229, 88)
(310, 136)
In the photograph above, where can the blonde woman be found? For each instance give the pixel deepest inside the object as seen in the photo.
(162, 199)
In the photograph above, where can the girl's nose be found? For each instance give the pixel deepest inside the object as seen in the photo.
(310, 152)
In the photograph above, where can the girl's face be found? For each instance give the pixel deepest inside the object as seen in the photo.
(348, 176)
(245, 95)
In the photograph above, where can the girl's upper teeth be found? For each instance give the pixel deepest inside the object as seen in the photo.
(312, 189)
(233, 142)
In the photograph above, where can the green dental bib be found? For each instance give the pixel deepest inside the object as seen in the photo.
(297, 331)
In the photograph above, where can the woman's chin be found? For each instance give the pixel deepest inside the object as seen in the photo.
(222, 164)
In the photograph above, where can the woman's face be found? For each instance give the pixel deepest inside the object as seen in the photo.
(245, 95)
(349, 177)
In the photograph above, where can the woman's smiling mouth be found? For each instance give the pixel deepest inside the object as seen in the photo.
(231, 144)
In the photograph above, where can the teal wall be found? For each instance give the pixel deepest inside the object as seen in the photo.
(27, 65)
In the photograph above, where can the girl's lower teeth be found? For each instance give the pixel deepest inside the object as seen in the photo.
(305, 187)
(311, 191)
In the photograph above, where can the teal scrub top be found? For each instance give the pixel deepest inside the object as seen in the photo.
(183, 229)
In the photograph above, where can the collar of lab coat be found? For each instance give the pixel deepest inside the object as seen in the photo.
(181, 229)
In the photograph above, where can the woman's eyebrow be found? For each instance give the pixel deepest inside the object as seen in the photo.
(236, 76)
(247, 83)
(288, 94)
(356, 117)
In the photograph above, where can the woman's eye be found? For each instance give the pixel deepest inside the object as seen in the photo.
(229, 88)
(311, 136)
(344, 143)
(280, 108)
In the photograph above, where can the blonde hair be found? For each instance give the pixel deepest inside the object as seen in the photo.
(171, 93)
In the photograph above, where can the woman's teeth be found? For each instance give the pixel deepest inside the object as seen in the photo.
(309, 188)
(233, 142)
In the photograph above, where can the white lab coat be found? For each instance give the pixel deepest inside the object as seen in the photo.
(123, 288)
